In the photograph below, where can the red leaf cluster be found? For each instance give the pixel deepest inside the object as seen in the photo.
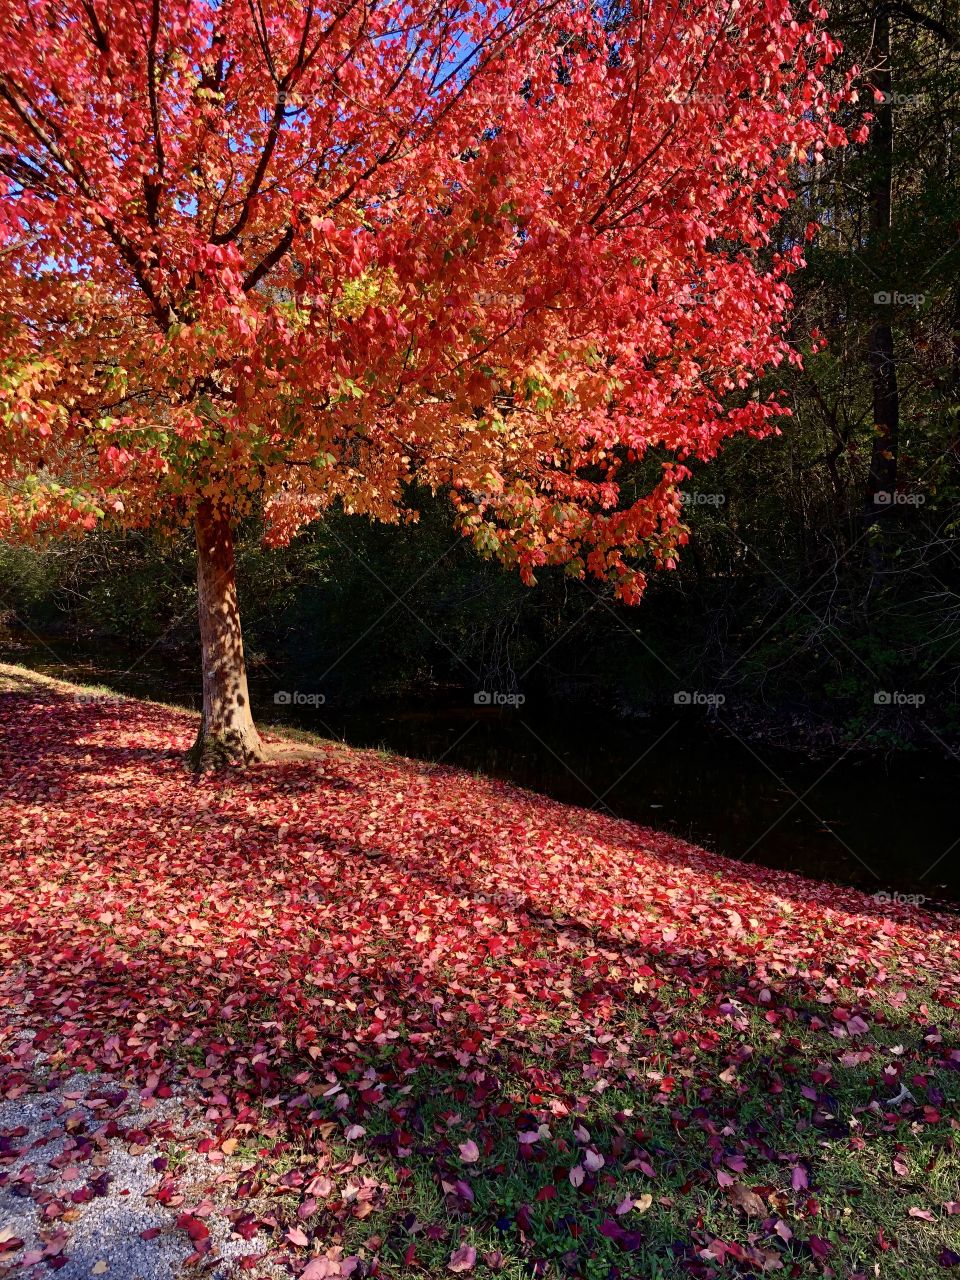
(284, 258)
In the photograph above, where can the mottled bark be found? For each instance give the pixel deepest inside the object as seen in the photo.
(227, 733)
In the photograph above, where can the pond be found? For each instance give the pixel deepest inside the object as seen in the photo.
(889, 824)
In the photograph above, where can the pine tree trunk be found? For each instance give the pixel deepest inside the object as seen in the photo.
(227, 733)
(882, 480)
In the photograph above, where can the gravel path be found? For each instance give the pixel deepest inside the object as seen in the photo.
(78, 1166)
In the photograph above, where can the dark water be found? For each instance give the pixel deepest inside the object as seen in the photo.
(888, 824)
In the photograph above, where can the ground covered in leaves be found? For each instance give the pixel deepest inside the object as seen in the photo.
(423, 1023)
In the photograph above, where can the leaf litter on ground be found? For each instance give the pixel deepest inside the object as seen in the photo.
(420, 1022)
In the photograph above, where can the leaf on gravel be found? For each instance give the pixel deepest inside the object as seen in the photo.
(195, 1228)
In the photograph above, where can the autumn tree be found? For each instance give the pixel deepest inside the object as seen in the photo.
(267, 256)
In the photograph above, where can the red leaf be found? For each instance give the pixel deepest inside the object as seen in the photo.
(462, 1259)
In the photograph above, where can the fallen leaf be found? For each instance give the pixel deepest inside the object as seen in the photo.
(462, 1259)
(743, 1198)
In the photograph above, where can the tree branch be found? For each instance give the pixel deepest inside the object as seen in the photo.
(270, 261)
(901, 9)
(152, 184)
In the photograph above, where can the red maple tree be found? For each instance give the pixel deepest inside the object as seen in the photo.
(267, 256)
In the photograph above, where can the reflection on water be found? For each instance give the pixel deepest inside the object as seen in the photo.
(889, 824)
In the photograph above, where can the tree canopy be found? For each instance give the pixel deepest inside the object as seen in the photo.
(276, 256)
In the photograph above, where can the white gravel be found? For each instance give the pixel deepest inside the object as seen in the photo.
(104, 1236)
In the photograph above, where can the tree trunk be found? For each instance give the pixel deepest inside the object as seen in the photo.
(227, 733)
(886, 416)
(879, 500)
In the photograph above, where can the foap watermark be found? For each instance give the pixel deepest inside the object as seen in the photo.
(897, 698)
(494, 698)
(883, 898)
(482, 497)
(697, 698)
(893, 99)
(694, 97)
(893, 498)
(893, 298)
(486, 299)
(89, 698)
(294, 698)
(690, 499)
(505, 899)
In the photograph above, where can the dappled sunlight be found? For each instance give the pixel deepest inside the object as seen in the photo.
(428, 1019)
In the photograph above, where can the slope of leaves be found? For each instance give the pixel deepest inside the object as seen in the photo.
(435, 1025)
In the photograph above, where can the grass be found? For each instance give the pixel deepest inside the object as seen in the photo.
(857, 1195)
